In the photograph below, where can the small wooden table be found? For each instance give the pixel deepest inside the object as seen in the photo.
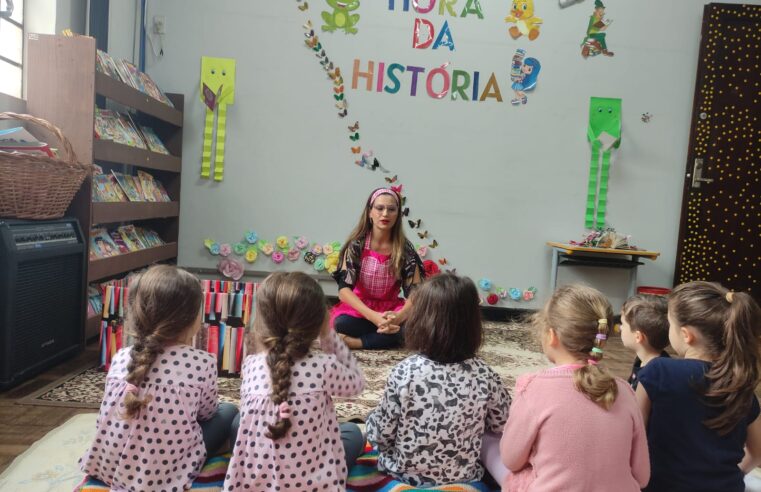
(570, 255)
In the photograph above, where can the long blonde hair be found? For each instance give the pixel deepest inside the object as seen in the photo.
(365, 226)
(581, 316)
(290, 311)
(164, 302)
(730, 328)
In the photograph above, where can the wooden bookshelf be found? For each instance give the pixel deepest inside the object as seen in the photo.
(64, 87)
(112, 212)
(103, 268)
(92, 326)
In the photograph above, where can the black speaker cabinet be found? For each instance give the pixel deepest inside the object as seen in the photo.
(42, 288)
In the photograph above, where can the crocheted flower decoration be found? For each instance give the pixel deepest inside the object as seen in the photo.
(528, 294)
(319, 264)
(302, 242)
(336, 245)
(492, 299)
(484, 284)
(422, 251)
(230, 268)
(213, 248)
(239, 248)
(251, 237)
(251, 254)
(515, 293)
(431, 268)
(327, 249)
(294, 253)
(317, 249)
(331, 262)
(502, 292)
(267, 248)
(282, 243)
(225, 249)
(278, 257)
(310, 257)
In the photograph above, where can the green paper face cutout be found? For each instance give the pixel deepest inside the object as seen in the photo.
(604, 133)
(216, 73)
(604, 117)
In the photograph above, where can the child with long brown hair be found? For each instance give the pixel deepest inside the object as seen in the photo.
(574, 426)
(376, 262)
(289, 437)
(701, 410)
(439, 402)
(160, 416)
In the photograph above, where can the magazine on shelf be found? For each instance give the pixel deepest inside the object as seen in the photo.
(154, 142)
(101, 244)
(103, 189)
(131, 238)
(150, 192)
(128, 186)
(119, 241)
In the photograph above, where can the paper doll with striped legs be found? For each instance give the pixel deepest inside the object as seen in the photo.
(217, 91)
(604, 134)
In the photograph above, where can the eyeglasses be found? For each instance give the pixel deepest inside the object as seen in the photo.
(381, 208)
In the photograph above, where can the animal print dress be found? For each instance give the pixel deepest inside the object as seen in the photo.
(431, 419)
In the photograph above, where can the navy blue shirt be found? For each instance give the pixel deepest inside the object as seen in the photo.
(636, 367)
(685, 455)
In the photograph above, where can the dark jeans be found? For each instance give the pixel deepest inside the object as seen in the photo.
(366, 331)
(351, 437)
(216, 430)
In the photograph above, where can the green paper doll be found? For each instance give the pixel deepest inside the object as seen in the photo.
(340, 18)
(604, 134)
(217, 91)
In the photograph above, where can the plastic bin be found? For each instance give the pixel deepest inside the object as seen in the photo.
(653, 291)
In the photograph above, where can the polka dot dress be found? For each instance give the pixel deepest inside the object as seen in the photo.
(162, 448)
(310, 456)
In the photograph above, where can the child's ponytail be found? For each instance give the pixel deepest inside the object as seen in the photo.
(580, 317)
(729, 323)
(596, 383)
(290, 311)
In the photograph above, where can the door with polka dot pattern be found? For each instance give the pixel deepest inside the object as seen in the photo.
(720, 230)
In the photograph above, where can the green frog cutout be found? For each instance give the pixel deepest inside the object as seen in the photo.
(340, 18)
(604, 134)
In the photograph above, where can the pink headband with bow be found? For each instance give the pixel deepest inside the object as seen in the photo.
(383, 191)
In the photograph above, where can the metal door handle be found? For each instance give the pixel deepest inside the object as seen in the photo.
(697, 173)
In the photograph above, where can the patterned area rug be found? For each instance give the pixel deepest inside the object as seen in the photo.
(509, 348)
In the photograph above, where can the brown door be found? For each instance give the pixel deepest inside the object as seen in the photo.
(720, 229)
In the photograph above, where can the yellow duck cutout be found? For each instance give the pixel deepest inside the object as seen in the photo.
(526, 23)
(217, 91)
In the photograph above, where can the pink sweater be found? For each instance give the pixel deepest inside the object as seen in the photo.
(558, 439)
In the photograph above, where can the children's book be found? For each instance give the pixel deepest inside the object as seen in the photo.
(128, 186)
(119, 241)
(150, 192)
(102, 189)
(131, 239)
(138, 186)
(154, 142)
(101, 244)
(162, 191)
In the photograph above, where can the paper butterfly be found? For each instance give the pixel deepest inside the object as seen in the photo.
(414, 223)
(335, 73)
(320, 53)
(354, 127)
(339, 89)
(422, 235)
(453, 271)
(308, 24)
(404, 198)
(328, 66)
(406, 211)
(304, 7)
(343, 113)
(354, 137)
(312, 43)
(397, 189)
(443, 261)
(338, 97)
(646, 117)
(391, 180)
(356, 150)
(341, 105)
(433, 244)
(309, 33)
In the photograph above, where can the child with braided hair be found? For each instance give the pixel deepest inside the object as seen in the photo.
(702, 415)
(574, 426)
(289, 437)
(160, 416)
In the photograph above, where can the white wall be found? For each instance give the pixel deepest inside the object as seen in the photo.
(491, 181)
(123, 29)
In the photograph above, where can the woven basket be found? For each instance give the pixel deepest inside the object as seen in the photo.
(35, 186)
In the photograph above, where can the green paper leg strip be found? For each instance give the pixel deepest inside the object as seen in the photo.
(592, 188)
(219, 157)
(602, 198)
(208, 131)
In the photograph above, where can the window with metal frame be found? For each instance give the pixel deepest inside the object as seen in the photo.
(11, 47)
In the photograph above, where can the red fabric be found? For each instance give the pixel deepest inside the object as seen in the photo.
(431, 268)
